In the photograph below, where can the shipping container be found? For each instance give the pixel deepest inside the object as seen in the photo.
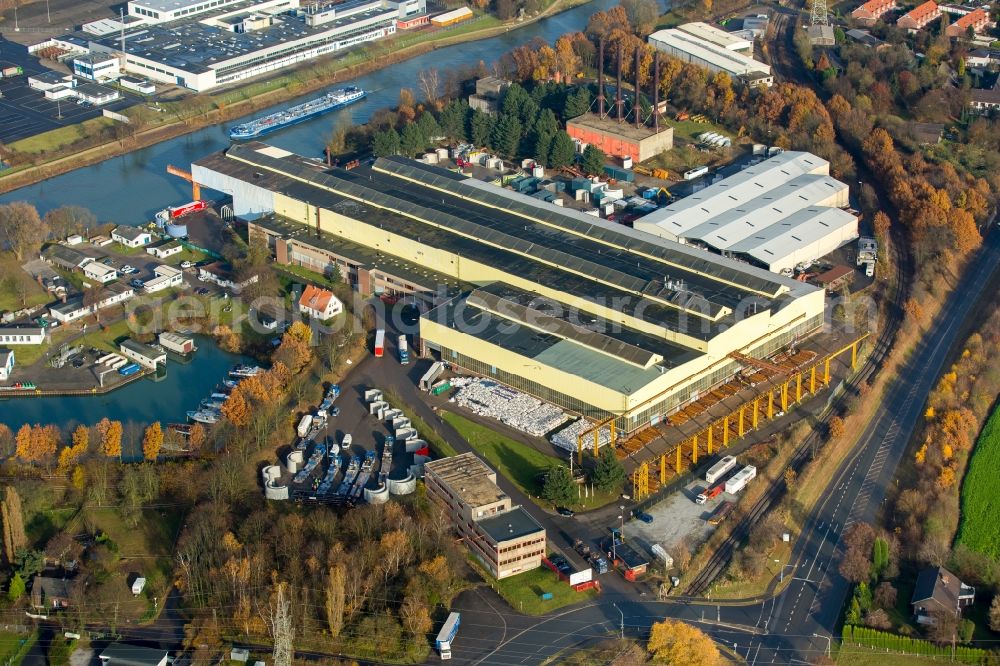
(433, 373)
(695, 173)
(129, 369)
(441, 387)
(719, 469)
(304, 425)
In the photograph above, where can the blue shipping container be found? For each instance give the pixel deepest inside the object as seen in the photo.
(129, 369)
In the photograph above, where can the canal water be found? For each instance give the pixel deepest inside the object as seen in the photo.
(131, 188)
(186, 384)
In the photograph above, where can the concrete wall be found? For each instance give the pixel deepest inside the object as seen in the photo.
(249, 201)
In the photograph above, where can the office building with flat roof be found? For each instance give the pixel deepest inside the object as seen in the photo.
(590, 315)
(505, 538)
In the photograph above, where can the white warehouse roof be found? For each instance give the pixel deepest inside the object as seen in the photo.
(676, 42)
(717, 36)
(779, 213)
(803, 236)
(732, 226)
(735, 191)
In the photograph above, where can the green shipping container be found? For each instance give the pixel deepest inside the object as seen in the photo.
(438, 390)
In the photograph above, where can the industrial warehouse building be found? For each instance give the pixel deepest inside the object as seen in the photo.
(505, 538)
(699, 51)
(717, 36)
(202, 45)
(782, 212)
(587, 314)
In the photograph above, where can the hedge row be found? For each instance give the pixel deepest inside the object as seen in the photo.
(883, 640)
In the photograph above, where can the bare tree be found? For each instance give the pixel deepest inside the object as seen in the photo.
(430, 85)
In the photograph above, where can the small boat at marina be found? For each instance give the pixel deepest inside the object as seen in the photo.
(208, 416)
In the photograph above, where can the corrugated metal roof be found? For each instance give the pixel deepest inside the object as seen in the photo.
(794, 232)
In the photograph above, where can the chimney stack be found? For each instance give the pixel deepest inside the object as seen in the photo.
(635, 105)
(618, 89)
(600, 80)
(656, 91)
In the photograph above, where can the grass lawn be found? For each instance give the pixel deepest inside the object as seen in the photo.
(741, 589)
(520, 463)
(14, 647)
(524, 591)
(304, 274)
(105, 338)
(57, 138)
(523, 465)
(9, 298)
(118, 248)
(979, 530)
(187, 254)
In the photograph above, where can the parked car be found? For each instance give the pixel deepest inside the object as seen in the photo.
(563, 511)
(137, 283)
(108, 261)
(644, 517)
(334, 411)
(127, 269)
(187, 264)
(201, 291)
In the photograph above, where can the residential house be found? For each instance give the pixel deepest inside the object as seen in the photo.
(98, 272)
(217, 274)
(984, 101)
(144, 355)
(939, 590)
(73, 308)
(22, 335)
(872, 10)
(123, 654)
(319, 303)
(165, 250)
(65, 257)
(919, 17)
(131, 236)
(6, 364)
(48, 592)
(165, 277)
(977, 21)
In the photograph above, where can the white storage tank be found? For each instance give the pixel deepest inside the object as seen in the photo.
(293, 461)
(538, 172)
(627, 162)
(429, 158)
(442, 154)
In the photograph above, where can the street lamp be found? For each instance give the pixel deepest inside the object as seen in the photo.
(827, 639)
(622, 630)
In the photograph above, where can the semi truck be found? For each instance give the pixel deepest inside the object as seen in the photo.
(379, 343)
(8, 72)
(719, 469)
(447, 635)
(709, 494)
(404, 351)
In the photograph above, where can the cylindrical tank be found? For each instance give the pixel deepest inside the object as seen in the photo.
(294, 461)
(177, 230)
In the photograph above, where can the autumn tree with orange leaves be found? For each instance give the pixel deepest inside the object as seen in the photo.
(152, 441)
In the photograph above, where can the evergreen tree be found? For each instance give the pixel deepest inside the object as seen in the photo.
(16, 587)
(386, 143)
(547, 123)
(429, 126)
(609, 474)
(593, 161)
(559, 487)
(561, 153)
(454, 119)
(506, 136)
(577, 102)
(413, 140)
(481, 128)
(14, 537)
(543, 145)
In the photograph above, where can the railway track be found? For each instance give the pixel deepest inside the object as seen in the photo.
(903, 264)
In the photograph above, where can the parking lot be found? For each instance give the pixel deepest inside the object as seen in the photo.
(25, 112)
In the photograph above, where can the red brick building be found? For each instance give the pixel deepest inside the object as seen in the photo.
(919, 17)
(978, 20)
(620, 139)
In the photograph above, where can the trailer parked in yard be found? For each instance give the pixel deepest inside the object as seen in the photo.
(379, 343)
(741, 479)
(404, 351)
(431, 375)
(304, 425)
(719, 469)
(447, 634)
(720, 514)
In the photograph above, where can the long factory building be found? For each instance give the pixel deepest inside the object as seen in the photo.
(780, 213)
(592, 316)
